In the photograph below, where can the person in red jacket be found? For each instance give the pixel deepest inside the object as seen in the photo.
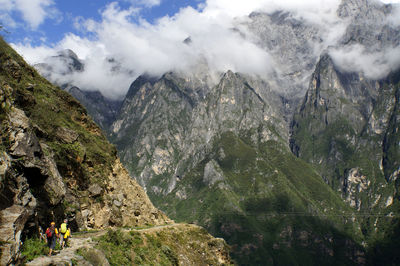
(52, 235)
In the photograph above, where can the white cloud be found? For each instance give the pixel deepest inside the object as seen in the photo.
(390, 1)
(32, 54)
(146, 3)
(33, 12)
(157, 48)
(6, 5)
(355, 58)
(394, 18)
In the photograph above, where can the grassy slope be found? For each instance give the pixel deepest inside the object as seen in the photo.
(49, 108)
(267, 200)
(169, 246)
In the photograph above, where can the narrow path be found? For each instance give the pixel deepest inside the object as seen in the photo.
(64, 257)
(155, 228)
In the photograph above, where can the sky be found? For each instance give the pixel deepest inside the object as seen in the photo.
(47, 21)
(147, 36)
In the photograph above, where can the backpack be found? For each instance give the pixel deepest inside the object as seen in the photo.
(63, 228)
(67, 234)
(49, 233)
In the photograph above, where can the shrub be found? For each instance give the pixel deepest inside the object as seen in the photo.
(33, 248)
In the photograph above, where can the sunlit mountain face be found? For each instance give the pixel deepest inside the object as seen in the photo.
(273, 124)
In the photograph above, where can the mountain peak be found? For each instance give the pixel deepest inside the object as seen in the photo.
(68, 53)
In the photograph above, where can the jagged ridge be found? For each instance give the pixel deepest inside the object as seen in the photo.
(55, 163)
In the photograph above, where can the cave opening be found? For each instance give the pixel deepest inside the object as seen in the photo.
(36, 181)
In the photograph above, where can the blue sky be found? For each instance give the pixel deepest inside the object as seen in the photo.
(63, 14)
(146, 36)
(46, 22)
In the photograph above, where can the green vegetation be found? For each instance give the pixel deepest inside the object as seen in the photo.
(345, 135)
(50, 109)
(65, 131)
(122, 248)
(33, 248)
(94, 256)
(271, 207)
(161, 247)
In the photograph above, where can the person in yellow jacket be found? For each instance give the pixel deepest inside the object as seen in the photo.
(63, 231)
(67, 235)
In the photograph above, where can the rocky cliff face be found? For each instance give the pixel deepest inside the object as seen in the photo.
(291, 42)
(343, 124)
(219, 151)
(101, 109)
(210, 153)
(55, 163)
(166, 126)
(368, 24)
(343, 129)
(221, 159)
(341, 118)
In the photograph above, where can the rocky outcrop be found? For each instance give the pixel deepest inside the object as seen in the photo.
(369, 24)
(341, 127)
(221, 158)
(55, 164)
(34, 192)
(221, 143)
(65, 62)
(123, 203)
(291, 42)
(166, 126)
(212, 173)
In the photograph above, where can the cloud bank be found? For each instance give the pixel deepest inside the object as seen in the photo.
(375, 66)
(33, 12)
(217, 36)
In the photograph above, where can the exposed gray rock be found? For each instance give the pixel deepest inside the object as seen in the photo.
(341, 125)
(23, 140)
(212, 174)
(54, 184)
(95, 190)
(16, 207)
(117, 203)
(66, 135)
(291, 42)
(169, 125)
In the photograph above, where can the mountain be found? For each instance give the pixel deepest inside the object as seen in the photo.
(297, 168)
(344, 124)
(343, 129)
(222, 155)
(55, 163)
(222, 161)
(103, 110)
(66, 63)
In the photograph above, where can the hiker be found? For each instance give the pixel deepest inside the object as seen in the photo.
(63, 230)
(67, 235)
(42, 235)
(52, 236)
